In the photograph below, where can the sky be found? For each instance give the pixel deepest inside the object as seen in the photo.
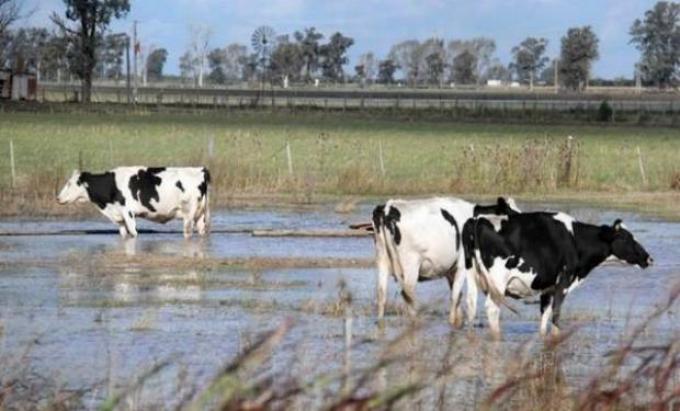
(376, 25)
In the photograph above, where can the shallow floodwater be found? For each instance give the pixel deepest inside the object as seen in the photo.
(71, 324)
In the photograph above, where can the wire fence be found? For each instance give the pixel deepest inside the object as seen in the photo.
(366, 99)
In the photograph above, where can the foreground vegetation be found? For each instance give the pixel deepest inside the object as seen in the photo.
(339, 154)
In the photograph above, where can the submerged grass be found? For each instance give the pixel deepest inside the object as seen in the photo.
(635, 375)
(334, 154)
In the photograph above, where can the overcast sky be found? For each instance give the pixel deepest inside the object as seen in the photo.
(376, 25)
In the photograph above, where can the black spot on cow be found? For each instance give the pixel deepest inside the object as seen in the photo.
(143, 186)
(378, 216)
(203, 187)
(179, 185)
(102, 188)
(448, 217)
(391, 220)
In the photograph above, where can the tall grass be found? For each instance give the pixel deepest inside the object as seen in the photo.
(335, 154)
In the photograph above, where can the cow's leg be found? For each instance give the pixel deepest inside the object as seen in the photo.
(201, 225)
(383, 265)
(456, 280)
(493, 314)
(188, 227)
(558, 298)
(498, 274)
(130, 223)
(189, 217)
(546, 312)
(471, 295)
(122, 230)
(203, 221)
(411, 267)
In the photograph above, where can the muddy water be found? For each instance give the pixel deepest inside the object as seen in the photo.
(69, 325)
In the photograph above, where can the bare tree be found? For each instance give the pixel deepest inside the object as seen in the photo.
(10, 11)
(198, 48)
(370, 66)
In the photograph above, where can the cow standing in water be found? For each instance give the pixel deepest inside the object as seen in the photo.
(158, 194)
(546, 254)
(419, 240)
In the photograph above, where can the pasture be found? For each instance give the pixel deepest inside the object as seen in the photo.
(343, 155)
(238, 321)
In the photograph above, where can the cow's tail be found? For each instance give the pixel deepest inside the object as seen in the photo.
(384, 243)
(486, 282)
(206, 198)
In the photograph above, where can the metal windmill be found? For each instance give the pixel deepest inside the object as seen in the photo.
(263, 41)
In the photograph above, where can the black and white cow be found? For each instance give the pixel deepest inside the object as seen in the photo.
(542, 253)
(158, 194)
(419, 240)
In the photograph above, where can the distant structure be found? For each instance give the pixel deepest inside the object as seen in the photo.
(494, 83)
(18, 86)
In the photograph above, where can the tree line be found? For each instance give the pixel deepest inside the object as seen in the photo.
(80, 46)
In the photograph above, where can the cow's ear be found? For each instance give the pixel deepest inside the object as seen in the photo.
(617, 225)
(500, 201)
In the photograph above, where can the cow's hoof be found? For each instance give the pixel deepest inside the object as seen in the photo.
(456, 322)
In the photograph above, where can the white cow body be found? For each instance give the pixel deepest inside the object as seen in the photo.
(418, 240)
(158, 194)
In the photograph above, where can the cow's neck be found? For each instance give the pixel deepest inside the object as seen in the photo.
(99, 188)
(592, 249)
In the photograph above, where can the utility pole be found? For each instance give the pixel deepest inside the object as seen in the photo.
(127, 64)
(135, 45)
(556, 75)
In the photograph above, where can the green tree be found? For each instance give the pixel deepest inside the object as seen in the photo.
(435, 68)
(498, 71)
(334, 56)
(658, 39)
(311, 50)
(481, 48)
(287, 60)
(155, 63)
(464, 69)
(579, 50)
(386, 70)
(187, 67)
(91, 18)
(529, 59)
(216, 61)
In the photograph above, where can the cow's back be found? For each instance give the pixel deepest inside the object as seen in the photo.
(429, 230)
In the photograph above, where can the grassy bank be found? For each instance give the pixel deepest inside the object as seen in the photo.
(335, 154)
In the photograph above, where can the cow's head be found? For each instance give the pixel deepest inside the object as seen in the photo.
(624, 246)
(75, 190)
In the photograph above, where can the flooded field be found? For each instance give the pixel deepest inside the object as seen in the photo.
(82, 317)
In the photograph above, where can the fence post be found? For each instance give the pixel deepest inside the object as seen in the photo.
(382, 160)
(289, 156)
(211, 146)
(642, 167)
(111, 151)
(11, 161)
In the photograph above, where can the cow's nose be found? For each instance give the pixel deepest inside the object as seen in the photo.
(650, 260)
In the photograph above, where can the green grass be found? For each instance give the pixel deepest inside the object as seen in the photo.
(339, 154)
